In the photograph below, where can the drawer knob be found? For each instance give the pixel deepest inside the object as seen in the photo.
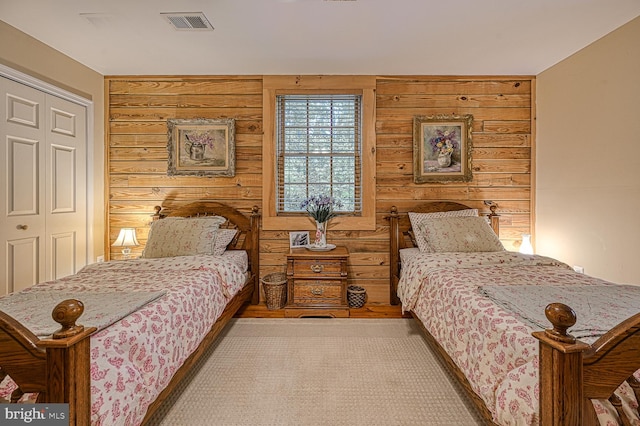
(22, 227)
(316, 291)
(317, 268)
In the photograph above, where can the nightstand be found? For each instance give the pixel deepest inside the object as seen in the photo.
(317, 283)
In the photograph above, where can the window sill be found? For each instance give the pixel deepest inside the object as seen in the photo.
(289, 223)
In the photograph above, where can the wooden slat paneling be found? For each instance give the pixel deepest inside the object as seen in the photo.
(138, 108)
(502, 110)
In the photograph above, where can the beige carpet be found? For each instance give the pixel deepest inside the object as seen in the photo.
(317, 371)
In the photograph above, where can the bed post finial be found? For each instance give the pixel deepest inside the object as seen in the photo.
(66, 313)
(561, 317)
(494, 218)
(157, 214)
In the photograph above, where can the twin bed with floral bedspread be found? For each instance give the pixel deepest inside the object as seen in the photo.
(480, 307)
(149, 319)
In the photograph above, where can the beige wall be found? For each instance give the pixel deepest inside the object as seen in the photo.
(29, 56)
(588, 158)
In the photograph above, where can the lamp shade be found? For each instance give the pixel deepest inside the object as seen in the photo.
(526, 247)
(126, 238)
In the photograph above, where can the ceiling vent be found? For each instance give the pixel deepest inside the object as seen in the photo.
(195, 21)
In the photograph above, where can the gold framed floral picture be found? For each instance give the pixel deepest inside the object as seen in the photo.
(201, 147)
(442, 148)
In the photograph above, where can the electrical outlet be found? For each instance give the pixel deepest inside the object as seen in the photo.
(100, 259)
(578, 269)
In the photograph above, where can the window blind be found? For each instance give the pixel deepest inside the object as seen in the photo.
(318, 151)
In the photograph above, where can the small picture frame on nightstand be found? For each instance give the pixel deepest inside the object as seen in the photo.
(298, 239)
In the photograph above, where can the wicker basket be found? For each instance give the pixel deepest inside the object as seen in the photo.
(275, 290)
(356, 296)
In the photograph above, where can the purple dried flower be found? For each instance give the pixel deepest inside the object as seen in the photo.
(321, 207)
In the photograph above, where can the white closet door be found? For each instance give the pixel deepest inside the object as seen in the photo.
(66, 212)
(22, 196)
(43, 233)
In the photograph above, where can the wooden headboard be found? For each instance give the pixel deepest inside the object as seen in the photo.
(246, 239)
(400, 235)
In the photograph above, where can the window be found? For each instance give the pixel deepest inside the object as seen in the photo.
(319, 138)
(318, 150)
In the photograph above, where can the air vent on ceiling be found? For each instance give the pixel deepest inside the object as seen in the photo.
(188, 21)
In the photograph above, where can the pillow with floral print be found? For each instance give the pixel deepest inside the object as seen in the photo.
(179, 236)
(223, 238)
(460, 234)
(418, 219)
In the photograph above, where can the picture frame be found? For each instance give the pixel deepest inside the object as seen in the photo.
(442, 148)
(201, 147)
(298, 239)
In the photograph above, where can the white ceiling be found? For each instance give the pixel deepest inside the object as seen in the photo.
(422, 37)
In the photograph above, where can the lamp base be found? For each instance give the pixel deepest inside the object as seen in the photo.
(126, 252)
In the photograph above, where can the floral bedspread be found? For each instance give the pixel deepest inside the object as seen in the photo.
(133, 360)
(492, 347)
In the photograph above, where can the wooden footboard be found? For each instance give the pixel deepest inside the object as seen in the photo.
(572, 373)
(57, 368)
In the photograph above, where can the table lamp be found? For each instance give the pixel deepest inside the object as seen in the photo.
(526, 247)
(126, 239)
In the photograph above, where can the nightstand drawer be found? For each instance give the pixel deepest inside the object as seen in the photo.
(312, 267)
(317, 283)
(321, 292)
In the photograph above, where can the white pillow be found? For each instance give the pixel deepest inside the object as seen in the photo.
(418, 219)
(179, 236)
(460, 234)
(223, 238)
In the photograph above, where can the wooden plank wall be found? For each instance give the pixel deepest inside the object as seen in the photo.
(138, 107)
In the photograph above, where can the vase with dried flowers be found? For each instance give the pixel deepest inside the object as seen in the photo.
(196, 144)
(322, 209)
(443, 144)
